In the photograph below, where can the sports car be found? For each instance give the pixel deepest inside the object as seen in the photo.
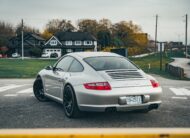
(98, 82)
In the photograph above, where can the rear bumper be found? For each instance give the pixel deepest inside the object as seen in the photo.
(100, 101)
(117, 107)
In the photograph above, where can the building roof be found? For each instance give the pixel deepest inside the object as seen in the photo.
(27, 35)
(53, 38)
(74, 36)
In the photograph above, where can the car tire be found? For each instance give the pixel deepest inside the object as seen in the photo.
(38, 90)
(70, 105)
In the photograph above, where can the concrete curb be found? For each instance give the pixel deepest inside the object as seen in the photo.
(97, 133)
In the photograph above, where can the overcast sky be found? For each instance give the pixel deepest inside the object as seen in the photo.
(36, 13)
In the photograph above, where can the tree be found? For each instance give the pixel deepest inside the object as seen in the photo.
(26, 28)
(6, 32)
(124, 31)
(104, 38)
(104, 32)
(46, 34)
(104, 24)
(35, 51)
(88, 25)
(57, 25)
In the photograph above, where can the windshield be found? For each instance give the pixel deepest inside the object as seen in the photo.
(110, 63)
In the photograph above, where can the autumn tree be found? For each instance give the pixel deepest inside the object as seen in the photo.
(26, 28)
(6, 32)
(88, 25)
(46, 34)
(124, 31)
(104, 32)
(57, 25)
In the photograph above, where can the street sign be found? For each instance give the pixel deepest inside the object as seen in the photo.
(161, 46)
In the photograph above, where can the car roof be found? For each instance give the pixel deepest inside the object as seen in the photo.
(93, 54)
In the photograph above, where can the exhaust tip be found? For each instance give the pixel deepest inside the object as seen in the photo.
(111, 109)
(153, 106)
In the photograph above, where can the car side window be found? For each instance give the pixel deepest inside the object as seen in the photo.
(64, 63)
(76, 66)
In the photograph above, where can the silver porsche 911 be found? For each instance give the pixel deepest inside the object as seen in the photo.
(97, 81)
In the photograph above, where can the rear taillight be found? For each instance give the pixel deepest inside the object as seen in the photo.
(97, 86)
(154, 83)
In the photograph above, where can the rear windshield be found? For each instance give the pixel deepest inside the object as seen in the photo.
(110, 63)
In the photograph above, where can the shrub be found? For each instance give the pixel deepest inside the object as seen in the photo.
(3, 50)
(36, 52)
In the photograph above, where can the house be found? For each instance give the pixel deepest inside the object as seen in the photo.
(176, 44)
(66, 42)
(31, 40)
(59, 44)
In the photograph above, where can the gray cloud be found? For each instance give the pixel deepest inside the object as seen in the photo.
(37, 12)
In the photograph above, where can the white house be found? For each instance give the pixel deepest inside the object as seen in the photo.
(66, 42)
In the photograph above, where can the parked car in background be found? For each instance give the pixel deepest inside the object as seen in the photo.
(15, 55)
(97, 81)
(49, 55)
(54, 55)
(45, 55)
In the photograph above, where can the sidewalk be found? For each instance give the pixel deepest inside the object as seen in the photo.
(183, 63)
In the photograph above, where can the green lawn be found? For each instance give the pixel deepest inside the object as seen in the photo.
(154, 61)
(28, 68)
(17, 68)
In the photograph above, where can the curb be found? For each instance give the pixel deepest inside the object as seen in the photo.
(96, 133)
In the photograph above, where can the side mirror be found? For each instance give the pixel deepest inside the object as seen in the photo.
(49, 68)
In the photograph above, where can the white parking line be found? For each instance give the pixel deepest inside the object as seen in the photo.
(183, 98)
(29, 90)
(5, 88)
(10, 95)
(185, 91)
(180, 91)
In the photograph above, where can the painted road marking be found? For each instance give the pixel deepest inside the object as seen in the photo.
(10, 95)
(185, 91)
(183, 98)
(29, 90)
(180, 91)
(5, 88)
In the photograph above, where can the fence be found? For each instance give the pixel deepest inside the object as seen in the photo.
(175, 71)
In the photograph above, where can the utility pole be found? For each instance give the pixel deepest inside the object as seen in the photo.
(22, 28)
(161, 45)
(156, 32)
(186, 22)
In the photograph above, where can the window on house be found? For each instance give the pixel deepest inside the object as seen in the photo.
(68, 42)
(78, 42)
(53, 42)
(87, 42)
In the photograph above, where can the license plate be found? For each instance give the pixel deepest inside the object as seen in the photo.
(132, 100)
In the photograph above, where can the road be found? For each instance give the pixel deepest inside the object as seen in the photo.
(20, 109)
(183, 63)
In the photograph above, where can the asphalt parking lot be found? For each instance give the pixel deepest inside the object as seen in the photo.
(20, 109)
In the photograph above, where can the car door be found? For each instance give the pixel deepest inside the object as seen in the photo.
(55, 79)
